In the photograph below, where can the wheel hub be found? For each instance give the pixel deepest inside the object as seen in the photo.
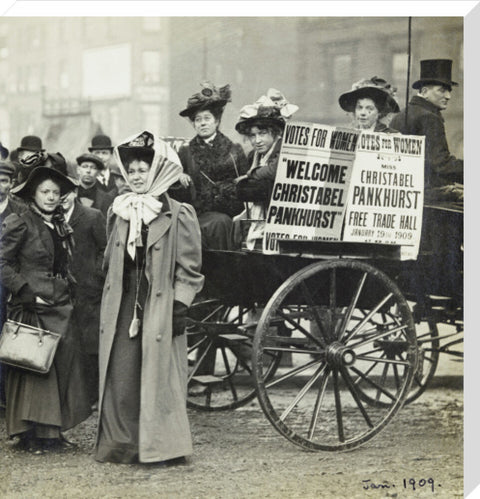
(339, 355)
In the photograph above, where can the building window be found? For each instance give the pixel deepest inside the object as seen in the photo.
(152, 24)
(33, 79)
(152, 119)
(63, 75)
(399, 69)
(151, 66)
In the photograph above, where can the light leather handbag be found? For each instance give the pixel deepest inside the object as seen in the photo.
(28, 347)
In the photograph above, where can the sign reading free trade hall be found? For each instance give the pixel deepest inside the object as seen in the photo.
(338, 184)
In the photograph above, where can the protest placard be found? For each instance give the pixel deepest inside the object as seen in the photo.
(338, 184)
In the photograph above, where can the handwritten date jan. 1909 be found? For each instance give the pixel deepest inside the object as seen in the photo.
(407, 483)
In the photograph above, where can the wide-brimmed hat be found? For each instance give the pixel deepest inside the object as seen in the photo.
(210, 97)
(377, 89)
(92, 159)
(7, 168)
(38, 175)
(271, 109)
(31, 143)
(100, 142)
(436, 71)
(141, 148)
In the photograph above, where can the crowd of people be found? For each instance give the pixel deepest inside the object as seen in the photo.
(109, 256)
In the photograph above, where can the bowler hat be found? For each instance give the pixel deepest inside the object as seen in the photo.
(3, 151)
(38, 175)
(210, 97)
(436, 71)
(7, 168)
(92, 159)
(101, 142)
(373, 88)
(31, 143)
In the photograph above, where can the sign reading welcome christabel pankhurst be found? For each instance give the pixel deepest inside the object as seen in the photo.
(339, 184)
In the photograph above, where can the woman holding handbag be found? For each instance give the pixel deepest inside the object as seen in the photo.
(34, 265)
(153, 260)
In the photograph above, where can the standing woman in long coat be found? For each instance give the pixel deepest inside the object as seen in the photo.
(153, 257)
(34, 264)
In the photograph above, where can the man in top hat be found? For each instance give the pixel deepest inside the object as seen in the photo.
(30, 154)
(103, 149)
(89, 191)
(423, 117)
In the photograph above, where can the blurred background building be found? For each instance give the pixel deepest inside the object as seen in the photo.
(66, 79)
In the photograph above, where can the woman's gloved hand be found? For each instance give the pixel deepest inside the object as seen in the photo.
(179, 318)
(26, 297)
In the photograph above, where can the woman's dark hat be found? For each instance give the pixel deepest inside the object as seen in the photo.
(435, 71)
(31, 143)
(38, 175)
(209, 97)
(271, 109)
(100, 142)
(92, 159)
(377, 89)
(3, 151)
(7, 168)
(140, 148)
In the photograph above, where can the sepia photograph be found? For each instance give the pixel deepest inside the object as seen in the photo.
(232, 251)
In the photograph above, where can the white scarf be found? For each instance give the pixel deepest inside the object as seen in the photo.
(138, 208)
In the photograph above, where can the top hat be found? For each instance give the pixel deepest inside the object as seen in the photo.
(210, 97)
(92, 159)
(31, 143)
(437, 71)
(101, 142)
(373, 88)
(271, 109)
(7, 168)
(39, 174)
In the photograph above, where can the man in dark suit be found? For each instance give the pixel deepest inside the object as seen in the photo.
(89, 191)
(89, 234)
(103, 149)
(423, 117)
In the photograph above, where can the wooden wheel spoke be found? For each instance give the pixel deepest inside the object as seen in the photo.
(318, 404)
(386, 361)
(367, 372)
(303, 391)
(316, 315)
(292, 373)
(378, 336)
(382, 381)
(229, 372)
(351, 307)
(353, 390)
(293, 350)
(199, 361)
(300, 328)
(372, 312)
(197, 345)
(372, 383)
(338, 406)
(396, 376)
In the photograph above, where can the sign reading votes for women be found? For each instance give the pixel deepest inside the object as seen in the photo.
(337, 184)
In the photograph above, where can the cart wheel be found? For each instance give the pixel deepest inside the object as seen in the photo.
(344, 314)
(219, 356)
(428, 354)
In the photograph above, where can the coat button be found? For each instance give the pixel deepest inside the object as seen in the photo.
(159, 337)
(157, 246)
(117, 243)
(108, 286)
(101, 330)
(158, 293)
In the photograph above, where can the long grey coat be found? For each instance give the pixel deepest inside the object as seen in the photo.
(173, 261)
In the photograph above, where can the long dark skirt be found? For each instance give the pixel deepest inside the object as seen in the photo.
(48, 403)
(120, 412)
(216, 230)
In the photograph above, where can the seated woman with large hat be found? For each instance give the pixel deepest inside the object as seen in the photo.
(370, 100)
(262, 123)
(211, 162)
